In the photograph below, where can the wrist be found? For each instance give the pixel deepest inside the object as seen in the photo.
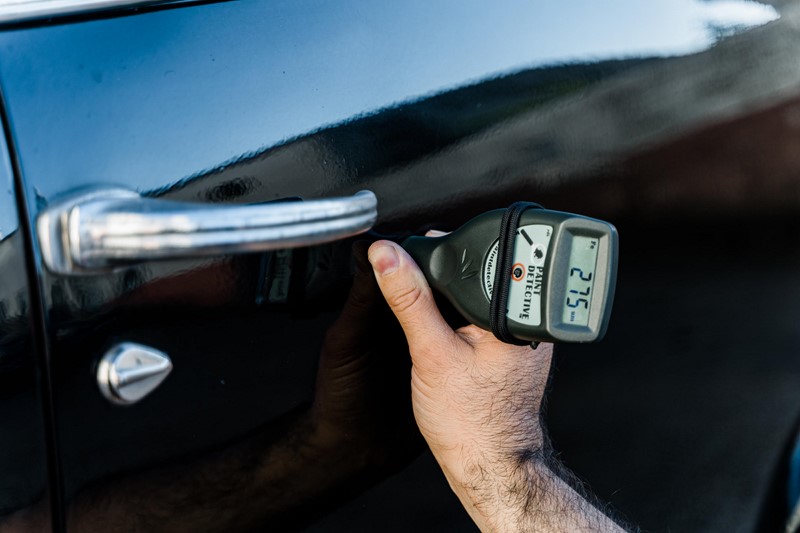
(509, 455)
(501, 494)
(525, 494)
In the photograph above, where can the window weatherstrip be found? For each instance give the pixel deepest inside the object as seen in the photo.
(27, 10)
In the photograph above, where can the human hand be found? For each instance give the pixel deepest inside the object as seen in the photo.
(477, 402)
(473, 395)
(476, 399)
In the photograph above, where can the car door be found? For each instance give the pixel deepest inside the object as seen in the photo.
(255, 398)
(220, 104)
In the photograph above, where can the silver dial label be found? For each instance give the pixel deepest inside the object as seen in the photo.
(527, 273)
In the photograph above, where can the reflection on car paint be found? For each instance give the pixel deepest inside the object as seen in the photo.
(278, 105)
(174, 93)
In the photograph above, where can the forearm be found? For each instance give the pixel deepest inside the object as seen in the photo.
(523, 494)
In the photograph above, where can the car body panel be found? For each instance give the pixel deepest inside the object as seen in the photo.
(444, 111)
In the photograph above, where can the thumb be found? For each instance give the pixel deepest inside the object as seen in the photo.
(409, 296)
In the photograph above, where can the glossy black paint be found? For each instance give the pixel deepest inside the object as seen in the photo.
(22, 423)
(247, 102)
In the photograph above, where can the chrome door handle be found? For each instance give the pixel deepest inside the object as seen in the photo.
(108, 228)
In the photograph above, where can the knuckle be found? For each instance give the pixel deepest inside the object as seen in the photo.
(405, 299)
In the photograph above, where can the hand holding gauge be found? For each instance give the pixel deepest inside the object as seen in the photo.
(477, 400)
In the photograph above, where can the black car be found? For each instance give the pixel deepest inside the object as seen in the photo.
(189, 186)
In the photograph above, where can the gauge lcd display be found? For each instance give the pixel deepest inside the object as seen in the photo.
(580, 280)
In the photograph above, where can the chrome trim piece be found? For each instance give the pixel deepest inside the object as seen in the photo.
(128, 372)
(110, 228)
(24, 10)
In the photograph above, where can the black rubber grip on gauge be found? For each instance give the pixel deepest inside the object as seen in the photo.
(498, 305)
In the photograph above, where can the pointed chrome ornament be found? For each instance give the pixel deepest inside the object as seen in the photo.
(128, 372)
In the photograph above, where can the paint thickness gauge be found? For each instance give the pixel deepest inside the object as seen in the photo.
(526, 273)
